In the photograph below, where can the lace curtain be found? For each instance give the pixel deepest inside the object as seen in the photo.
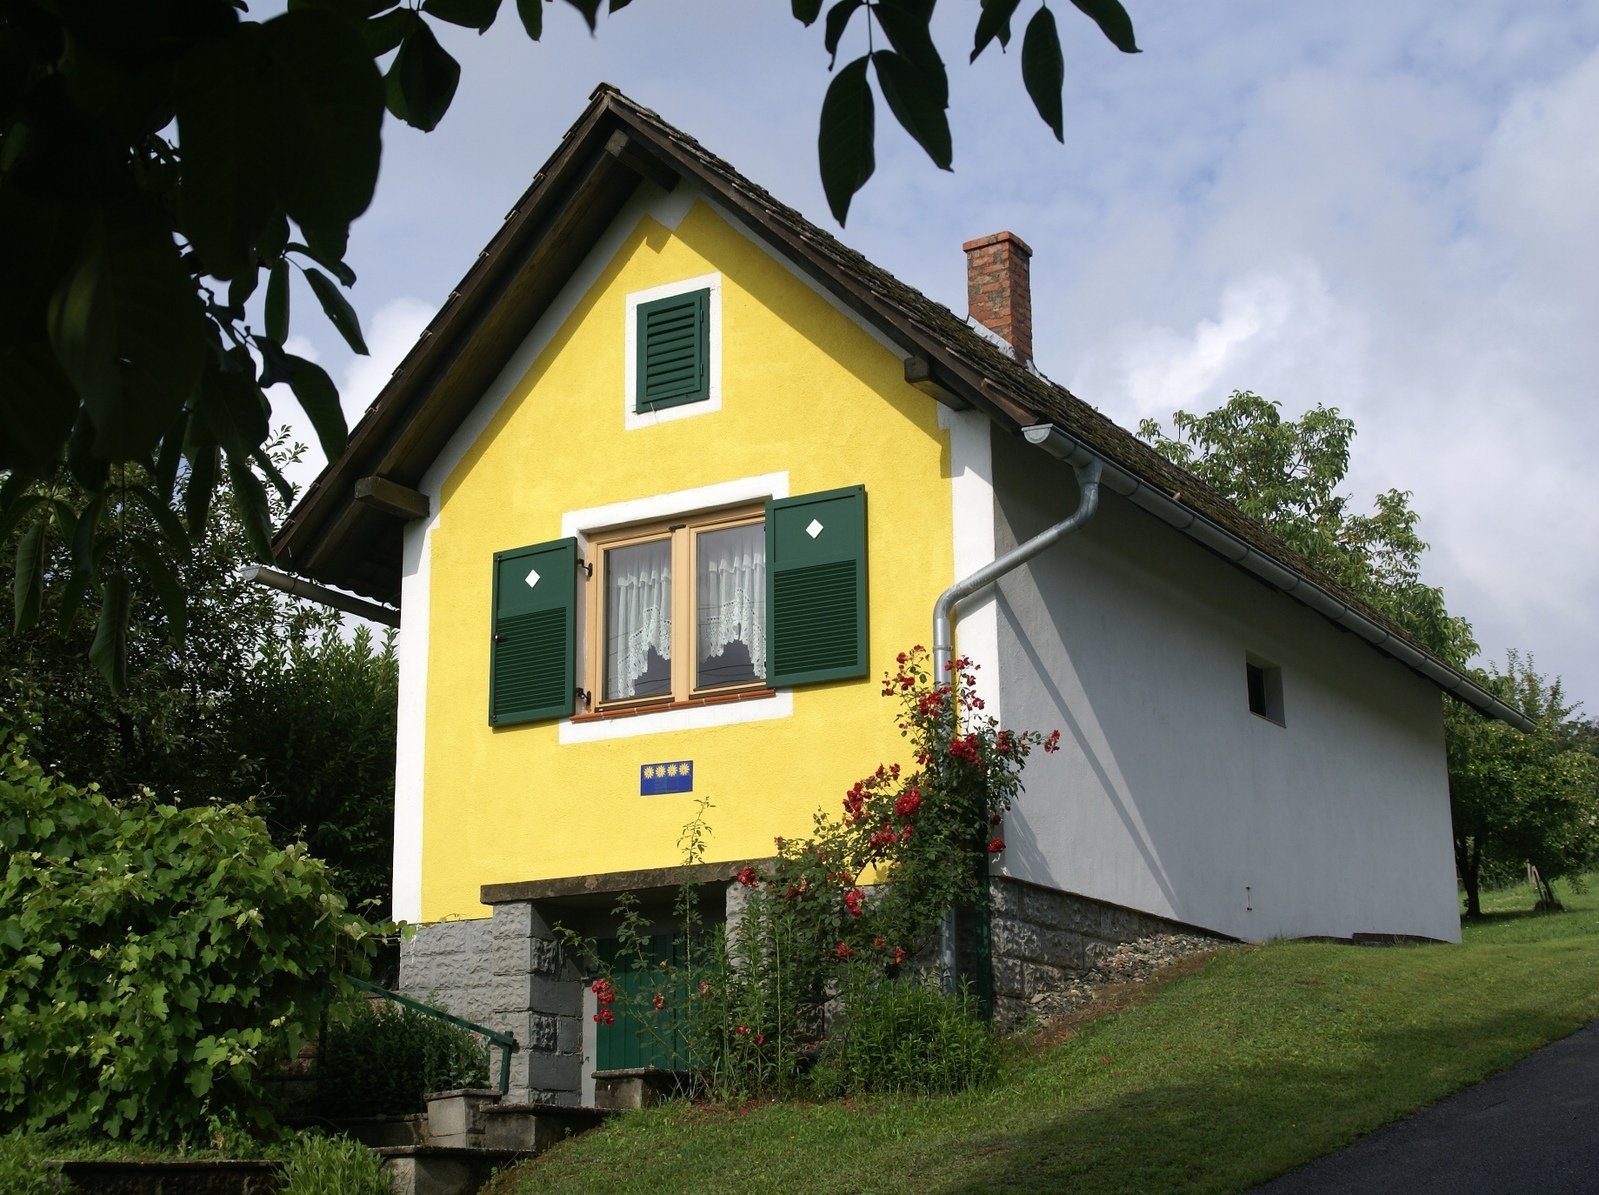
(638, 616)
(732, 593)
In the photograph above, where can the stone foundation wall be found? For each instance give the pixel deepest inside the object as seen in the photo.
(506, 972)
(1039, 936)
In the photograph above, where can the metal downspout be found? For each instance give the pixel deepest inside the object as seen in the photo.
(1088, 468)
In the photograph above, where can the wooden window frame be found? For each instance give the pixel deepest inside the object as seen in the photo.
(682, 531)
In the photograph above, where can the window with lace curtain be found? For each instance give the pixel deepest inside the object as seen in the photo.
(680, 609)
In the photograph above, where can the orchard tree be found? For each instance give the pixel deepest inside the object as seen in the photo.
(1287, 474)
(1520, 800)
(160, 160)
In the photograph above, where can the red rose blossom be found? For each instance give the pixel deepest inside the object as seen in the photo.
(996, 846)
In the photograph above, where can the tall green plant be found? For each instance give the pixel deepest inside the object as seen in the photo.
(154, 960)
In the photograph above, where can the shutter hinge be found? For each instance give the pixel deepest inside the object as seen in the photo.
(584, 696)
(588, 569)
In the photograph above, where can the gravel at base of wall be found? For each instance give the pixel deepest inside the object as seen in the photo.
(1131, 962)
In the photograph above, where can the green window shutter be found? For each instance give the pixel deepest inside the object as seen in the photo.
(535, 610)
(816, 587)
(674, 350)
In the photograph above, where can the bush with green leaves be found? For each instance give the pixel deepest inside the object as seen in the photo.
(904, 1035)
(155, 961)
(22, 1169)
(381, 1058)
(318, 1165)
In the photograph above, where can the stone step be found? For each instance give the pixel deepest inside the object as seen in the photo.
(536, 1127)
(443, 1170)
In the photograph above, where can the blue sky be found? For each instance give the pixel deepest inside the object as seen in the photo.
(1385, 207)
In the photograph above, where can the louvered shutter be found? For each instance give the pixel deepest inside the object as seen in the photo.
(530, 658)
(674, 350)
(816, 587)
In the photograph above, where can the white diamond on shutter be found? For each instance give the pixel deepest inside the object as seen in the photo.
(814, 529)
(532, 577)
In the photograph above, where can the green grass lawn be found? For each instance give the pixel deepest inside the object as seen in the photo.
(1261, 1060)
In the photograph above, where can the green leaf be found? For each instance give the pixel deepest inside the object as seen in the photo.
(917, 103)
(65, 519)
(383, 33)
(532, 14)
(277, 301)
(806, 11)
(71, 598)
(589, 8)
(1113, 22)
(837, 20)
(15, 511)
(320, 400)
(109, 651)
(204, 472)
(37, 405)
(324, 116)
(83, 544)
(164, 581)
(618, 5)
(88, 470)
(334, 266)
(234, 410)
(254, 513)
(422, 80)
(279, 482)
(338, 310)
(1044, 70)
(28, 584)
(992, 22)
(165, 518)
(907, 24)
(844, 142)
(474, 14)
(81, 319)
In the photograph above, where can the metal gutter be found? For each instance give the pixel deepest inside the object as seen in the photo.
(1230, 547)
(293, 586)
(1088, 467)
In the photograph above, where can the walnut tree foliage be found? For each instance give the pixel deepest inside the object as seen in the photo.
(165, 166)
(1288, 474)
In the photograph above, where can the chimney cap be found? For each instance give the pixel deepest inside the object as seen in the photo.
(997, 238)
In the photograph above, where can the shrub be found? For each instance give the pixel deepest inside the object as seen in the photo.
(318, 1165)
(22, 1169)
(153, 960)
(382, 1059)
(904, 1035)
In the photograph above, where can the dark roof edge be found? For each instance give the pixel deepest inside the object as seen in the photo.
(1288, 581)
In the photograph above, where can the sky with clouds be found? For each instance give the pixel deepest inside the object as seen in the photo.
(1391, 208)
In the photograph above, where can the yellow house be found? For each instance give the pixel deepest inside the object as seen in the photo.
(667, 484)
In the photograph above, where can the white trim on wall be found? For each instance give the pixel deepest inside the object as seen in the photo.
(634, 419)
(971, 469)
(410, 738)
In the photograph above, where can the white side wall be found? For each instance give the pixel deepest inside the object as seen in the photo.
(1168, 795)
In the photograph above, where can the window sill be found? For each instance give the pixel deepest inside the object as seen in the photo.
(636, 711)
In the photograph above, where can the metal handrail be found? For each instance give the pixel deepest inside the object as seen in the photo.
(506, 1041)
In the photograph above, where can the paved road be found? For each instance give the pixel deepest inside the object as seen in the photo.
(1533, 1128)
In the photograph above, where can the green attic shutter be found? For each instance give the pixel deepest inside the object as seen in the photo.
(531, 656)
(816, 587)
(674, 337)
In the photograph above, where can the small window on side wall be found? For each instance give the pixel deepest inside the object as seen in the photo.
(1265, 682)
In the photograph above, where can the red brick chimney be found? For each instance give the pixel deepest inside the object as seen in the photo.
(998, 289)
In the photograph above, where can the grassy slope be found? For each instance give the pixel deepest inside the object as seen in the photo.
(1260, 1061)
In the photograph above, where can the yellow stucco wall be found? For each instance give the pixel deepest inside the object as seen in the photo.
(803, 390)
